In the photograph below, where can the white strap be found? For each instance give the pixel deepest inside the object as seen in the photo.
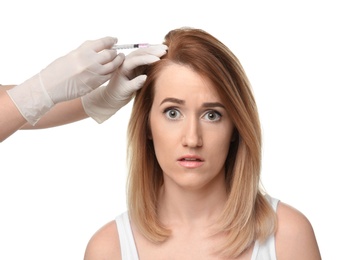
(267, 250)
(127, 242)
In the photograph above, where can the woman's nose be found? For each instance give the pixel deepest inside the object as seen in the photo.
(192, 136)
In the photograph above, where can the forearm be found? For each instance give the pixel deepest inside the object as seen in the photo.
(10, 117)
(61, 114)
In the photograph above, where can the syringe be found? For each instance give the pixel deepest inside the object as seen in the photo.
(130, 46)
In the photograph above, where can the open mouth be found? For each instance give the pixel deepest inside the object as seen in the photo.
(191, 159)
(191, 162)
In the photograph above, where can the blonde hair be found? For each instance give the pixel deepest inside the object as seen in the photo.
(247, 215)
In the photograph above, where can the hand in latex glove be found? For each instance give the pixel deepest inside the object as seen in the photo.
(103, 102)
(68, 77)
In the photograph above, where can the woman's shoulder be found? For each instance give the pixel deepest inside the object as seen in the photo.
(295, 237)
(104, 244)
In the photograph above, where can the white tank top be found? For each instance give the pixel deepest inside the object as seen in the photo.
(265, 251)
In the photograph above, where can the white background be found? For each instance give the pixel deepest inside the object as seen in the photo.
(59, 185)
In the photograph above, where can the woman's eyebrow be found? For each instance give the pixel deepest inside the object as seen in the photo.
(173, 100)
(181, 102)
(213, 104)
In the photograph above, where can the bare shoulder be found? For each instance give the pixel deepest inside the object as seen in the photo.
(295, 237)
(104, 244)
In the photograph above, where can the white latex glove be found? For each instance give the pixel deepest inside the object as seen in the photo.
(105, 101)
(68, 77)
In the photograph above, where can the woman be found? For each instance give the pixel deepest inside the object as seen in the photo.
(195, 158)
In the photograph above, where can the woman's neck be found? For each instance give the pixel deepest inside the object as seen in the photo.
(180, 206)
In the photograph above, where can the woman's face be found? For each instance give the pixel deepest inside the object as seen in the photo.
(191, 130)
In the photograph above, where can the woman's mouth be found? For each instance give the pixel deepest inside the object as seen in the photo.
(191, 161)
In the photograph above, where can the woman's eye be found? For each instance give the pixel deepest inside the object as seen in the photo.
(212, 116)
(172, 113)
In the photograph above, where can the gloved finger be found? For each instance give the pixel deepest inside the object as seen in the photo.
(109, 67)
(136, 83)
(132, 63)
(129, 67)
(154, 50)
(141, 57)
(101, 44)
(106, 56)
(157, 50)
(113, 65)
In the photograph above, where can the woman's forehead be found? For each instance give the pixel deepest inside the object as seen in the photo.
(181, 81)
